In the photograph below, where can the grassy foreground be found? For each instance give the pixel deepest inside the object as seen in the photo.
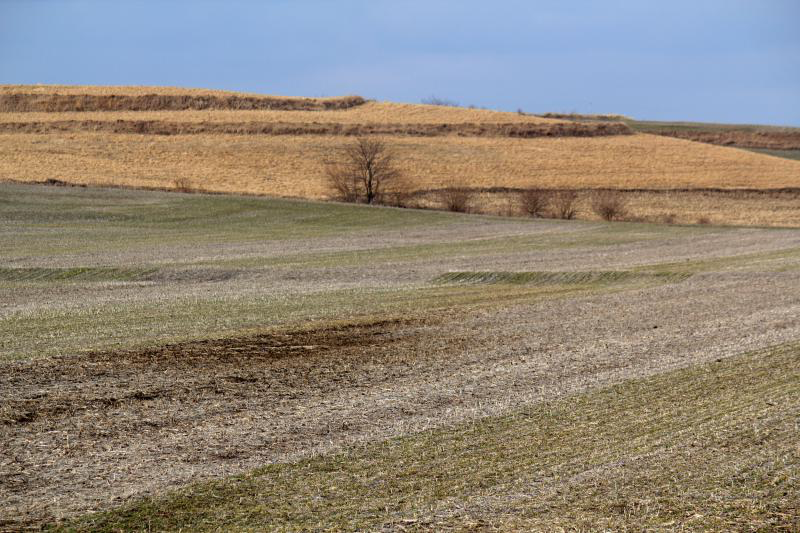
(713, 447)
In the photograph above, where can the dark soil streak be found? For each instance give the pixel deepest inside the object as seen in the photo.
(84, 421)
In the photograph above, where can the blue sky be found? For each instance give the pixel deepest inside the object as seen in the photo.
(710, 60)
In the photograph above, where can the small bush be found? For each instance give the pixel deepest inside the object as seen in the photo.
(704, 221)
(668, 218)
(398, 198)
(182, 185)
(563, 203)
(534, 202)
(609, 205)
(456, 200)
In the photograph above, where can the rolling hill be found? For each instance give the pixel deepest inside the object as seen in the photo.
(156, 137)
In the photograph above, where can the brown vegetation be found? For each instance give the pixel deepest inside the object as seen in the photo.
(583, 116)
(534, 202)
(280, 151)
(564, 204)
(291, 166)
(28, 102)
(158, 127)
(455, 199)
(685, 206)
(369, 113)
(773, 139)
(183, 185)
(609, 205)
(362, 171)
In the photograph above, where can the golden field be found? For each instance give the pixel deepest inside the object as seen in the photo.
(726, 207)
(370, 112)
(292, 165)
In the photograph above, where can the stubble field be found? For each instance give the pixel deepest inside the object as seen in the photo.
(217, 141)
(218, 362)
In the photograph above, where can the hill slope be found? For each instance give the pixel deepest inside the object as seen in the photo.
(279, 148)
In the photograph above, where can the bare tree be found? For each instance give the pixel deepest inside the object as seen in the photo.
(363, 171)
(435, 100)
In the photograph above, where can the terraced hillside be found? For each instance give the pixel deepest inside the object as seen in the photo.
(227, 142)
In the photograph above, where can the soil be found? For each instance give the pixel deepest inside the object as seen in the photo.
(84, 433)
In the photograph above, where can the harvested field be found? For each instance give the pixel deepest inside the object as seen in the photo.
(696, 448)
(739, 135)
(504, 370)
(290, 165)
(776, 138)
(743, 207)
(217, 141)
(772, 140)
(367, 113)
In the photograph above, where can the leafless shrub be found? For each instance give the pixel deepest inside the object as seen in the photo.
(342, 181)
(535, 202)
(704, 221)
(668, 218)
(563, 203)
(398, 198)
(363, 171)
(182, 185)
(435, 100)
(609, 205)
(456, 199)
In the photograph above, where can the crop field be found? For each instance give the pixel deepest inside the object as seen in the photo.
(217, 141)
(292, 165)
(203, 362)
(781, 141)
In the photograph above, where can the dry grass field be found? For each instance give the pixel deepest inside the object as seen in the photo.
(198, 362)
(369, 112)
(280, 151)
(775, 138)
(292, 166)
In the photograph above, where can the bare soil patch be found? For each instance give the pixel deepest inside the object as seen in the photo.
(84, 414)
(86, 433)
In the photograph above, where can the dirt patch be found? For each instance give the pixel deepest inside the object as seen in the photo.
(225, 367)
(89, 432)
(86, 413)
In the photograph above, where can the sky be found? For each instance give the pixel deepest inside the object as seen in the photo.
(734, 61)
